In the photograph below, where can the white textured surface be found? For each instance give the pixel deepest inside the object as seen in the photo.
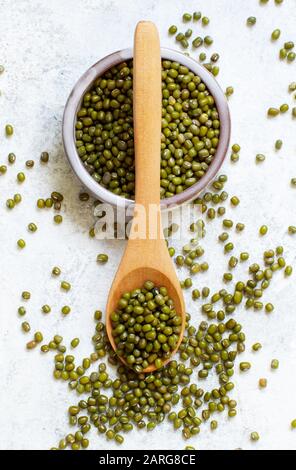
(45, 47)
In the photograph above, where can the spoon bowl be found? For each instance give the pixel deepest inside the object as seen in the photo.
(132, 281)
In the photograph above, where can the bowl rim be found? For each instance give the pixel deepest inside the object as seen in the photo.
(85, 82)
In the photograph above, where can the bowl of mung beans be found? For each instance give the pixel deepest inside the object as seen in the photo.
(98, 129)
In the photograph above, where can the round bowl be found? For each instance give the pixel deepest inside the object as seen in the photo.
(84, 84)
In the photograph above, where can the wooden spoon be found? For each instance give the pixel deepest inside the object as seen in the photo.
(146, 258)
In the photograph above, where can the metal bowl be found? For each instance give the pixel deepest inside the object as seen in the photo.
(85, 83)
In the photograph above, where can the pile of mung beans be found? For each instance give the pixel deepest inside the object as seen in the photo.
(116, 399)
(189, 137)
(146, 327)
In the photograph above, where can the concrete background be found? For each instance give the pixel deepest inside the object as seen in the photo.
(45, 47)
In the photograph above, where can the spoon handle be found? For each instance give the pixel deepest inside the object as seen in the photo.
(147, 113)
